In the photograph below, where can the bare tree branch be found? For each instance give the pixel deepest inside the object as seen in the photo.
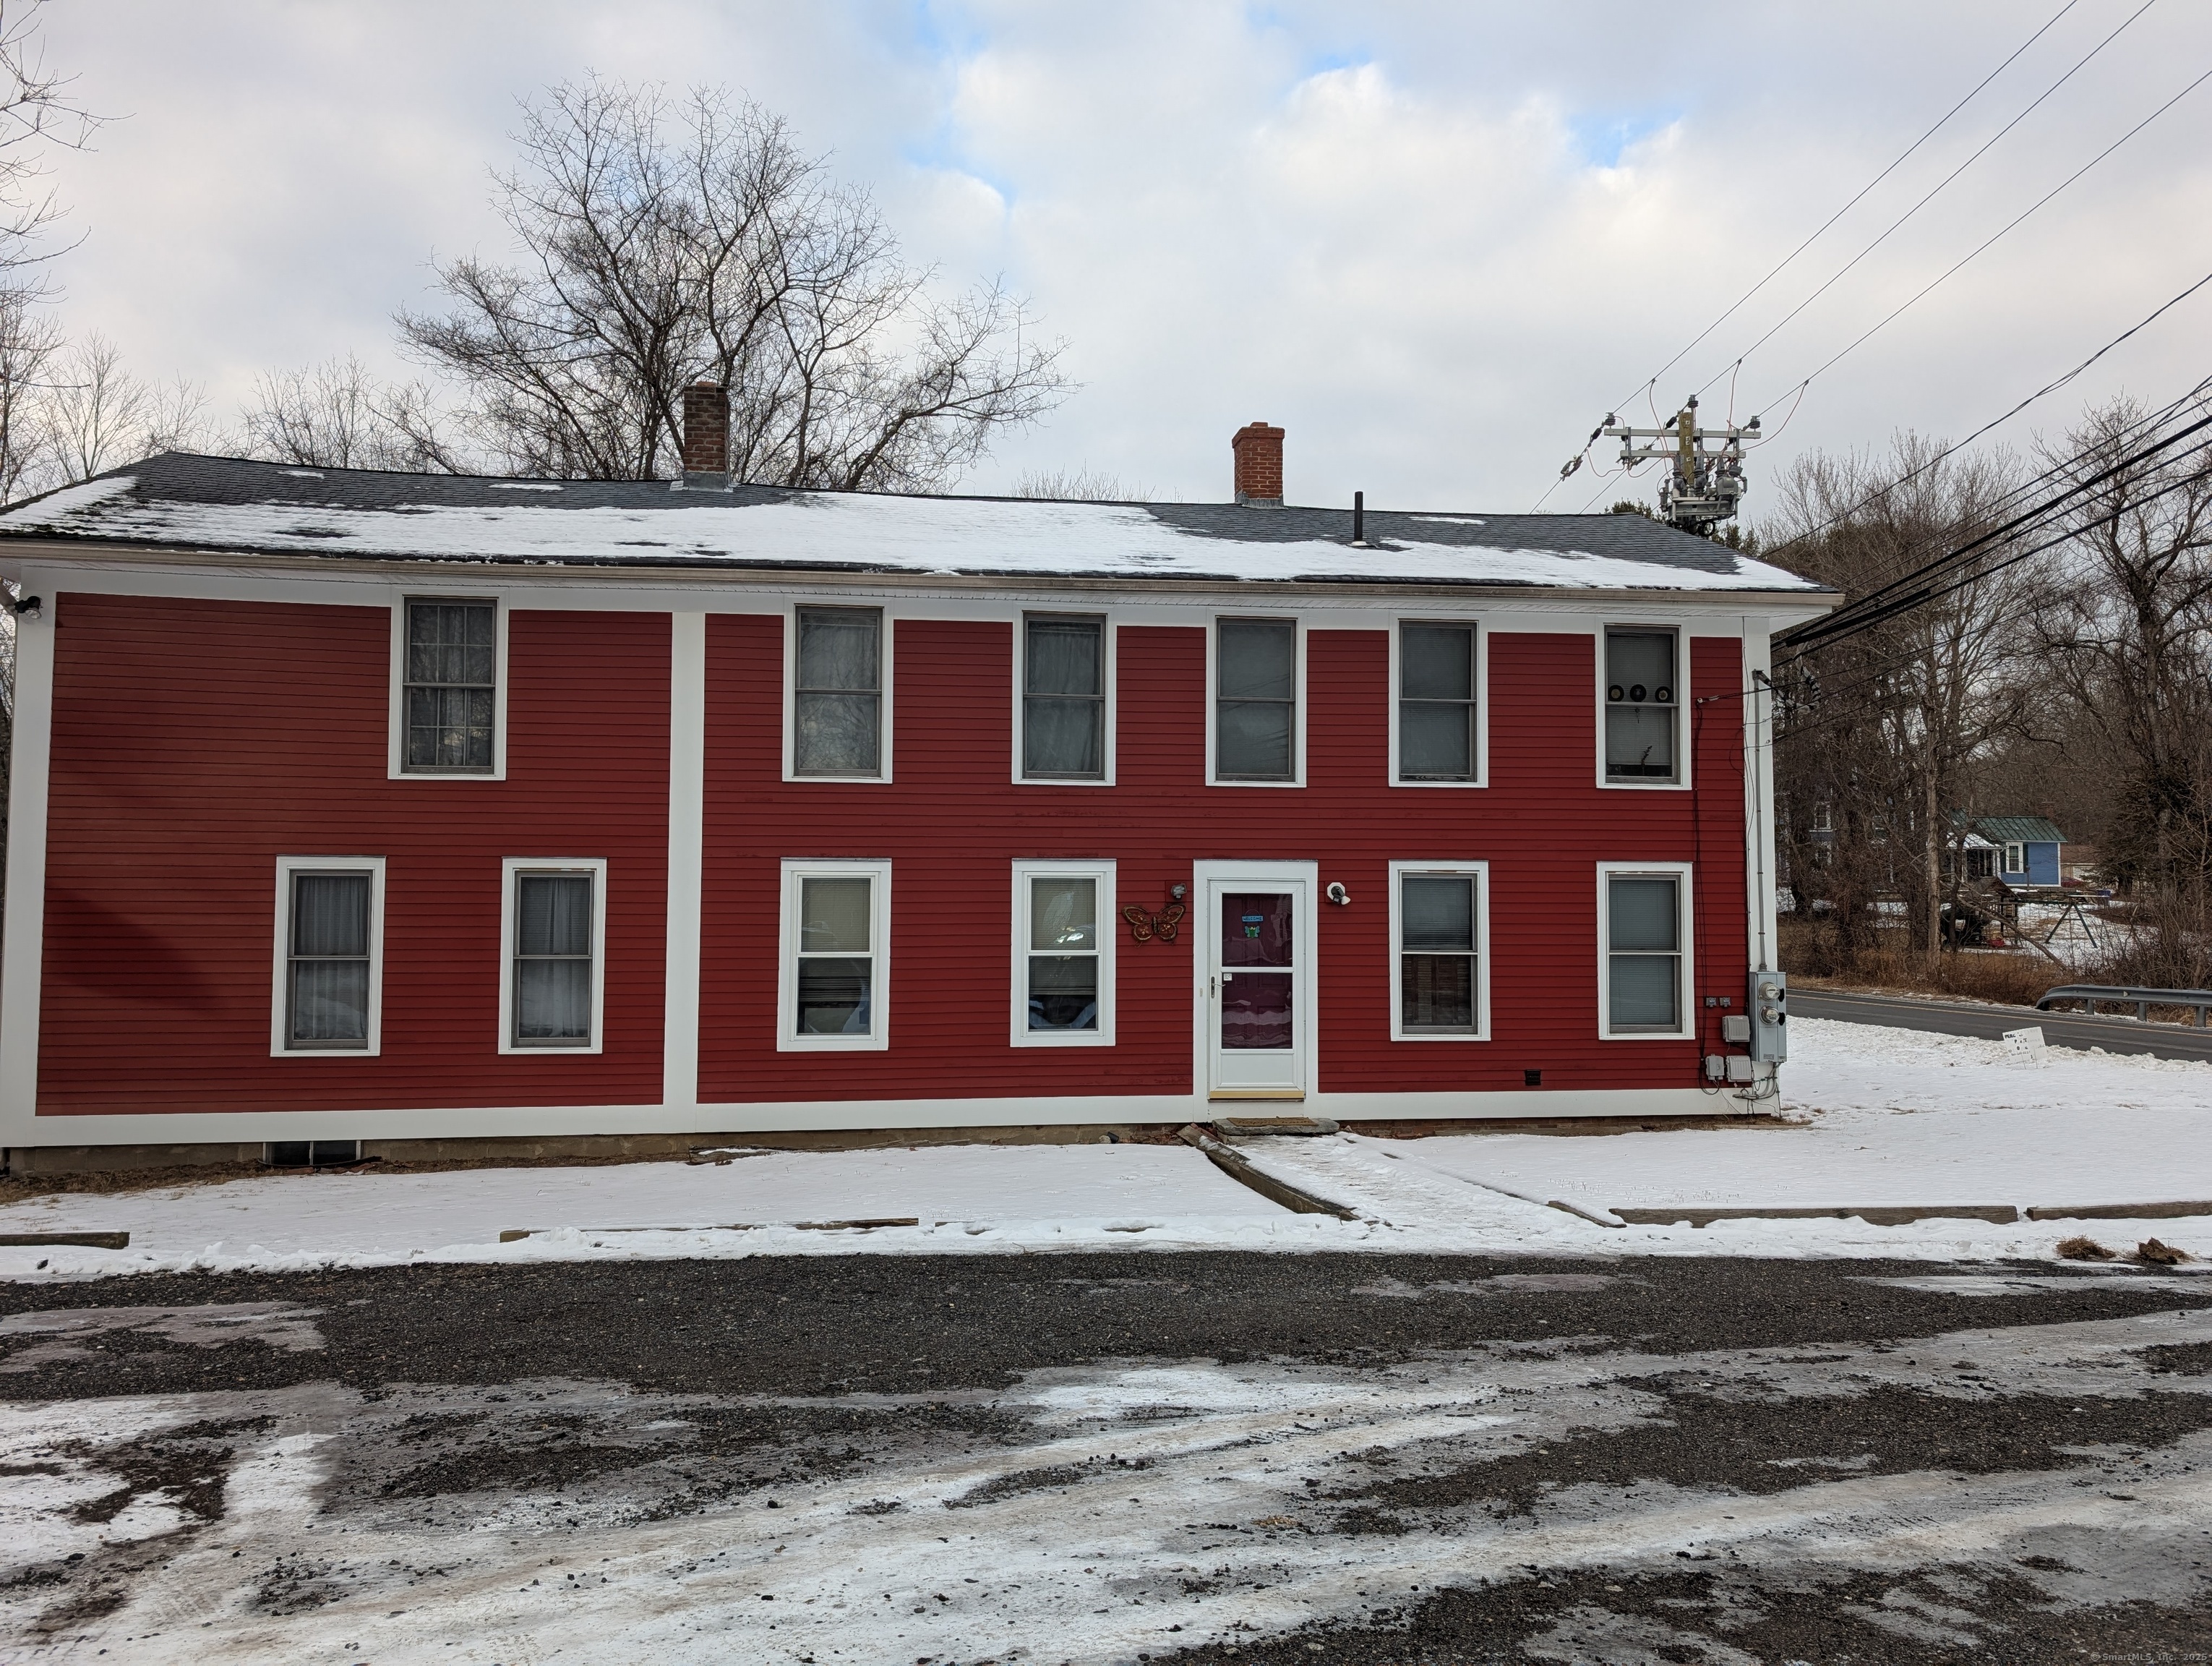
(661, 243)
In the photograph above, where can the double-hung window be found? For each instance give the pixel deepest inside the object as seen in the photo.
(1063, 954)
(837, 694)
(1063, 694)
(1438, 924)
(1641, 710)
(2015, 859)
(330, 954)
(552, 932)
(1644, 950)
(1256, 700)
(1439, 735)
(449, 687)
(836, 965)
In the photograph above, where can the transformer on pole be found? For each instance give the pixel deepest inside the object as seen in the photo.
(1704, 477)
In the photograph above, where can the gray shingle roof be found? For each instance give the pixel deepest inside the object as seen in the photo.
(227, 504)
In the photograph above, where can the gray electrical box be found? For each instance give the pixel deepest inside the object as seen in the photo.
(1770, 1016)
(1735, 1028)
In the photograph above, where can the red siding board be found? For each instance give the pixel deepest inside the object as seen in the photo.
(951, 823)
(195, 742)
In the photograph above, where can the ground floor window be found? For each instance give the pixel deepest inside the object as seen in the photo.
(1063, 954)
(1438, 921)
(835, 955)
(553, 921)
(330, 953)
(1644, 950)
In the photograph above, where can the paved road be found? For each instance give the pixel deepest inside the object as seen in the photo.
(1112, 1459)
(1946, 1018)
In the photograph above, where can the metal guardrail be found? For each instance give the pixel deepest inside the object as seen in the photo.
(2142, 1000)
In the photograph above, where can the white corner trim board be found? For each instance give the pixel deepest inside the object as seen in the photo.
(686, 837)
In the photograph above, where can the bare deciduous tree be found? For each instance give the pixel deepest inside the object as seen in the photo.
(92, 413)
(1081, 485)
(1881, 727)
(2126, 626)
(337, 416)
(664, 243)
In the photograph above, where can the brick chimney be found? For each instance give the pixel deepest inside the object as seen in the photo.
(1259, 450)
(707, 436)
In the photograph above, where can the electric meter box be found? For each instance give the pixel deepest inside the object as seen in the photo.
(1770, 1016)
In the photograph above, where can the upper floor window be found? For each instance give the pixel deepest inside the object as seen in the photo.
(553, 921)
(1256, 704)
(1063, 696)
(837, 693)
(450, 687)
(1437, 735)
(330, 946)
(1641, 706)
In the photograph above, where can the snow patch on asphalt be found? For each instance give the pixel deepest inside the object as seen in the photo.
(1140, 1506)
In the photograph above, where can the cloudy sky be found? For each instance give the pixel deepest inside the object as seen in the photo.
(1437, 240)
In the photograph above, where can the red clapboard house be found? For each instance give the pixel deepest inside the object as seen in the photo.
(353, 805)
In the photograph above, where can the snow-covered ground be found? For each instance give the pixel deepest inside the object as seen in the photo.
(1118, 1509)
(1887, 1117)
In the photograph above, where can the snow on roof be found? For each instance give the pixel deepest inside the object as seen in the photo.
(181, 501)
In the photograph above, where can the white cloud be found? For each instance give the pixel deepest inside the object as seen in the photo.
(1435, 242)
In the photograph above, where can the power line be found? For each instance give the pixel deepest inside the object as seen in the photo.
(2049, 387)
(1939, 186)
(1881, 667)
(1778, 268)
(1864, 190)
(1994, 237)
(1842, 621)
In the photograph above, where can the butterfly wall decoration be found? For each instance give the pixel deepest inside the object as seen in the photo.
(1144, 927)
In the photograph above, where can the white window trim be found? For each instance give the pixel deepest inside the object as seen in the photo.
(2010, 866)
(1481, 702)
(1480, 872)
(279, 989)
(882, 778)
(1107, 648)
(1020, 1032)
(1298, 692)
(508, 869)
(396, 757)
(1687, 983)
(1684, 763)
(788, 1038)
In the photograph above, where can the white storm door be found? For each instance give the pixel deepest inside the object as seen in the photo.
(1258, 994)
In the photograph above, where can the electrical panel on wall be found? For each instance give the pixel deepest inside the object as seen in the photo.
(1770, 1016)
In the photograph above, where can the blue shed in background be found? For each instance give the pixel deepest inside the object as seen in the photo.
(2021, 850)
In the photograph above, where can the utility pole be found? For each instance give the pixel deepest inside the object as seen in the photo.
(1704, 478)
